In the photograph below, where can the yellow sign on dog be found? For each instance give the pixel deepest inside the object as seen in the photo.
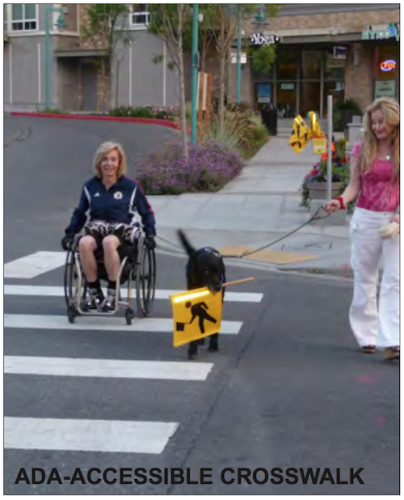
(197, 314)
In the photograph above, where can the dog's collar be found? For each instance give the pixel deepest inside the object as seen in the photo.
(209, 250)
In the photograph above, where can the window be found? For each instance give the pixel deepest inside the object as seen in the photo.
(24, 17)
(334, 69)
(386, 63)
(287, 64)
(139, 15)
(311, 65)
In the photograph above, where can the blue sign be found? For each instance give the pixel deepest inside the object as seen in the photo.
(390, 31)
(264, 92)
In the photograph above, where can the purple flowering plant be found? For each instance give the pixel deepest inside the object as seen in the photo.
(207, 169)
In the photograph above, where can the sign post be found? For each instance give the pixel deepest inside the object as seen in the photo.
(329, 164)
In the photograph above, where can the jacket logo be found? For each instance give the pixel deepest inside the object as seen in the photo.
(118, 195)
(96, 194)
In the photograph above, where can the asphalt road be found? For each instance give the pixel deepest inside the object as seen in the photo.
(289, 391)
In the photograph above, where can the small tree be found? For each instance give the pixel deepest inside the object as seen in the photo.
(169, 21)
(262, 58)
(104, 32)
(224, 20)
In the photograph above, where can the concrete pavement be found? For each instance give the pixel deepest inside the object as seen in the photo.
(257, 208)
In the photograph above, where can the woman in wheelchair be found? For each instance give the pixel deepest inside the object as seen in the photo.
(113, 200)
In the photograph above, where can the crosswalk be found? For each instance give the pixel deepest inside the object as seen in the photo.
(50, 332)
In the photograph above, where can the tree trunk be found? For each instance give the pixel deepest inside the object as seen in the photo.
(221, 92)
(103, 86)
(183, 115)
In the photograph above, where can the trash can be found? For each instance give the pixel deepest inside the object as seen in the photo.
(273, 120)
(269, 117)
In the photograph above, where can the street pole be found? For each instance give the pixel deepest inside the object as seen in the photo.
(329, 164)
(239, 57)
(194, 123)
(46, 56)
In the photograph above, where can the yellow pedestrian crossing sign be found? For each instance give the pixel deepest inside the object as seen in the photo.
(196, 314)
(300, 135)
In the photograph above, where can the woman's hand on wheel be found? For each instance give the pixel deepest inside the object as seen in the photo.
(67, 241)
(150, 242)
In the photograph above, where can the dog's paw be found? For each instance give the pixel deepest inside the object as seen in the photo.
(192, 351)
(213, 344)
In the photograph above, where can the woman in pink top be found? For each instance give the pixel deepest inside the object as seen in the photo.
(375, 177)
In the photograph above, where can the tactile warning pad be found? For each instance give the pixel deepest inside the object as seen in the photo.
(269, 256)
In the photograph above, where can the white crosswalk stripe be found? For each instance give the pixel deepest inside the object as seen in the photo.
(87, 435)
(34, 264)
(98, 323)
(22, 432)
(57, 291)
(107, 368)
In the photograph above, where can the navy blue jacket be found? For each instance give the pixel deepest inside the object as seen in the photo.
(120, 203)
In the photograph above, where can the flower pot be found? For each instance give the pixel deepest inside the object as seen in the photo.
(318, 190)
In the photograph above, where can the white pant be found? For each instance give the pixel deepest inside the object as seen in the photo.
(370, 326)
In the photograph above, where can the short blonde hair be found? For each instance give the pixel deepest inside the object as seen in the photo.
(104, 149)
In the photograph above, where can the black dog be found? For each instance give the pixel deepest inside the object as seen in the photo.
(205, 268)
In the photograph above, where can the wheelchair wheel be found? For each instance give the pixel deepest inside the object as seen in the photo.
(69, 280)
(145, 281)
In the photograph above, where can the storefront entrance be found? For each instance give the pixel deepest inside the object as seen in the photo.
(301, 80)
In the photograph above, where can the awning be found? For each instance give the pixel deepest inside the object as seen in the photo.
(79, 53)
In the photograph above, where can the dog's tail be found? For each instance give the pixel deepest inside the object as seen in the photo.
(185, 242)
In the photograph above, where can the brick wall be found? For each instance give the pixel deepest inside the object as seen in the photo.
(70, 16)
(87, 44)
(247, 87)
(358, 79)
(348, 22)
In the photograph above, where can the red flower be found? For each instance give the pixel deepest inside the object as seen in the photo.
(344, 160)
(313, 172)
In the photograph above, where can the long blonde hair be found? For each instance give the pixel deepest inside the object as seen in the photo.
(390, 109)
(104, 149)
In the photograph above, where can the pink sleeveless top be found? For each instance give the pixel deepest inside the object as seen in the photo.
(378, 193)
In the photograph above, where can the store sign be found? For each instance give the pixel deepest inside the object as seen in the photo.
(385, 88)
(390, 31)
(260, 39)
(388, 65)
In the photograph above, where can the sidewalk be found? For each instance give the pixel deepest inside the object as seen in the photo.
(255, 209)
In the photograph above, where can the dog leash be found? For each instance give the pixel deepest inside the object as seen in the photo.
(247, 253)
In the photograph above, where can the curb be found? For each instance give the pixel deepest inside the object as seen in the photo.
(150, 121)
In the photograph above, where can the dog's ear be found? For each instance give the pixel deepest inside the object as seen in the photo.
(185, 242)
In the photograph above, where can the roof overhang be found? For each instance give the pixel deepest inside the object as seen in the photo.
(78, 53)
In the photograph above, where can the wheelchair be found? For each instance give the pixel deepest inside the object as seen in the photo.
(138, 265)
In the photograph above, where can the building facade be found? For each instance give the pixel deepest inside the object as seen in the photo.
(141, 73)
(349, 51)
